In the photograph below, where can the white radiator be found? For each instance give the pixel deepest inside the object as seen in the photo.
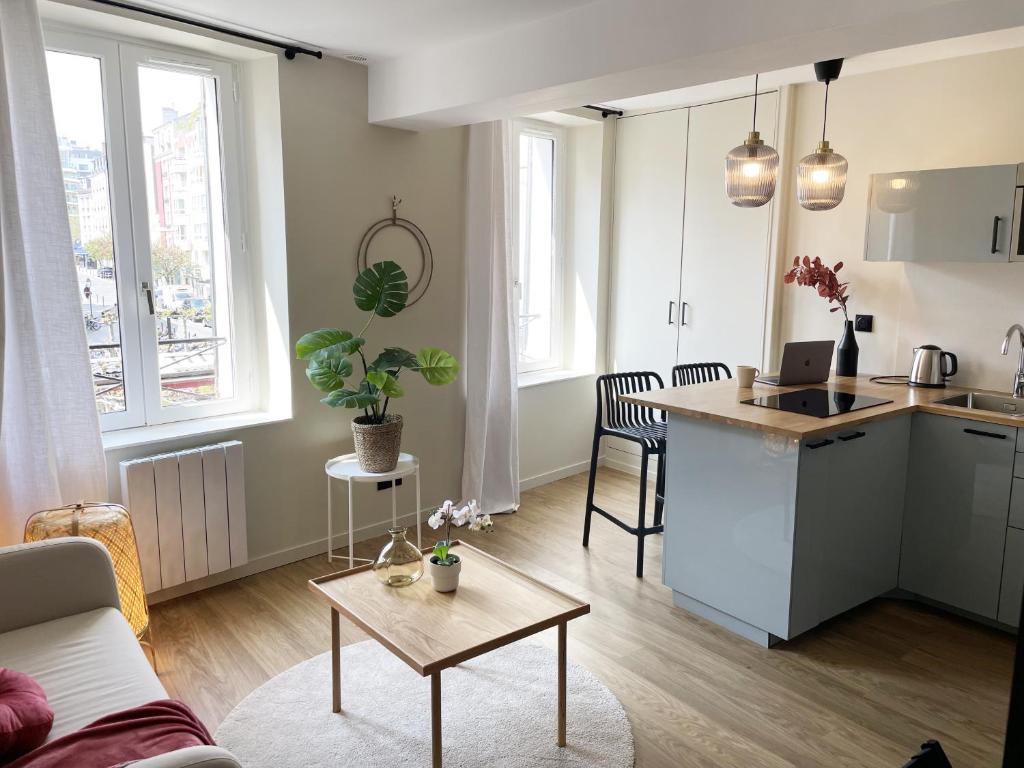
(188, 511)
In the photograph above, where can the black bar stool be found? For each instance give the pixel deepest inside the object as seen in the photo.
(698, 373)
(643, 426)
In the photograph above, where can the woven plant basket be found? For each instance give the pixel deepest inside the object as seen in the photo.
(377, 445)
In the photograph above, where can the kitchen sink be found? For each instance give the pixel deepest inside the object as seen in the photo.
(979, 401)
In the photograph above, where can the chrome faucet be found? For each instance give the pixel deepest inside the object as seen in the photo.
(1018, 378)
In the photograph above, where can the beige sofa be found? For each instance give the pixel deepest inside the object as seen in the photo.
(61, 623)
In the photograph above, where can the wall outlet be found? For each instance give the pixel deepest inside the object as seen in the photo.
(864, 323)
(384, 485)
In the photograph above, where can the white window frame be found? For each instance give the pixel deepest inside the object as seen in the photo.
(119, 60)
(558, 263)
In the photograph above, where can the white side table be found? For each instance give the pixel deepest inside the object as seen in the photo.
(347, 468)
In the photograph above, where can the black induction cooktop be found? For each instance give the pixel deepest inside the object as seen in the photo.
(821, 403)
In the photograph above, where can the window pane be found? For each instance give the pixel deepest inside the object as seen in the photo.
(181, 142)
(76, 87)
(536, 249)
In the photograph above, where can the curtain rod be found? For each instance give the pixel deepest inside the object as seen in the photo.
(290, 49)
(605, 111)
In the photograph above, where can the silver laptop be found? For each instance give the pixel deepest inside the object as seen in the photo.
(803, 362)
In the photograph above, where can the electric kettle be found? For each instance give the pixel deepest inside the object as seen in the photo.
(929, 368)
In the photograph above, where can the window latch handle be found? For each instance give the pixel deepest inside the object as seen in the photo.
(148, 290)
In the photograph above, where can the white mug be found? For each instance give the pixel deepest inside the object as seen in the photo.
(745, 375)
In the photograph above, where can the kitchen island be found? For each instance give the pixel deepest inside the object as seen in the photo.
(777, 521)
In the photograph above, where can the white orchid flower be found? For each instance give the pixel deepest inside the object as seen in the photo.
(436, 520)
(461, 516)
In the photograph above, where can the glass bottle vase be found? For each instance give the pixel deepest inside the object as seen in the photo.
(399, 564)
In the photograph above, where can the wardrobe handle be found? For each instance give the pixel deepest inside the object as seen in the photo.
(995, 234)
(671, 306)
(682, 313)
(821, 444)
(854, 436)
(981, 433)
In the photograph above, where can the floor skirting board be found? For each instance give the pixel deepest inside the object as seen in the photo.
(628, 462)
(289, 555)
(556, 474)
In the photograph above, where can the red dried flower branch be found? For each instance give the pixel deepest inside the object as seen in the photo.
(816, 275)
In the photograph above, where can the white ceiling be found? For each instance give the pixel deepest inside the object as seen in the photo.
(434, 63)
(937, 50)
(373, 28)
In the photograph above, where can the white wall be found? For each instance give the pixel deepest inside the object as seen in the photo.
(556, 419)
(958, 112)
(339, 176)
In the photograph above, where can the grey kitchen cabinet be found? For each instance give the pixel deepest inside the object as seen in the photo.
(943, 215)
(809, 532)
(1013, 578)
(1017, 501)
(849, 514)
(959, 477)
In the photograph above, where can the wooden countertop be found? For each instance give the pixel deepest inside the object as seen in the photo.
(720, 401)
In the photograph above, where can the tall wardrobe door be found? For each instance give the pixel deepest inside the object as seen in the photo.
(650, 174)
(725, 248)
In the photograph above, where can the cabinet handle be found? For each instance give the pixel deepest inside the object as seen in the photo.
(981, 433)
(671, 306)
(682, 313)
(854, 436)
(820, 444)
(995, 234)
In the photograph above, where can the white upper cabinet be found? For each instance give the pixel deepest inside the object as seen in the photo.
(689, 268)
(725, 248)
(650, 183)
(945, 215)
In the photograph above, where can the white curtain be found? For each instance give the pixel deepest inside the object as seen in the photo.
(490, 470)
(50, 448)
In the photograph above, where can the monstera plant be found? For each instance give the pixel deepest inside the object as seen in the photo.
(338, 367)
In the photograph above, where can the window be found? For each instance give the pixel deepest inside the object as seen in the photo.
(538, 239)
(149, 145)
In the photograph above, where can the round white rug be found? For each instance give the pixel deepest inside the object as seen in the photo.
(498, 709)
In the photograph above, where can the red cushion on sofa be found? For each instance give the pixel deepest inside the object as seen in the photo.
(25, 715)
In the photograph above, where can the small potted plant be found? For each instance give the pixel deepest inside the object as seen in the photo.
(445, 567)
(382, 290)
(815, 274)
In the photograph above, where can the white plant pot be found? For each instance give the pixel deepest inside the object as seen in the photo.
(444, 577)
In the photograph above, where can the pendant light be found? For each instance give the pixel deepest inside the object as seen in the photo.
(821, 176)
(751, 168)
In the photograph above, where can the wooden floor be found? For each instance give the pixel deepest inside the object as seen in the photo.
(863, 690)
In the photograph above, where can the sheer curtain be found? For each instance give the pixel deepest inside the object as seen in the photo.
(490, 470)
(50, 447)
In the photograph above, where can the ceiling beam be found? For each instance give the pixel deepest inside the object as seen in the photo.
(614, 49)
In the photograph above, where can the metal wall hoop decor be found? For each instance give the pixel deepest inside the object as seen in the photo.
(417, 289)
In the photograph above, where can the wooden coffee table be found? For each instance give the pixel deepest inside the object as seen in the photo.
(494, 605)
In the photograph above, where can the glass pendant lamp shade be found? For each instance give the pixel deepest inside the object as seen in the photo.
(751, 168)
(821, 175)
(750, 172)
(821, 179)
